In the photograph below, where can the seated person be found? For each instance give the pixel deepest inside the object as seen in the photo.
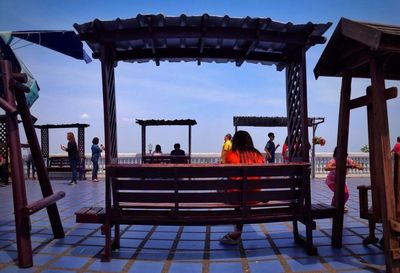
(178, 154)
(157, 151)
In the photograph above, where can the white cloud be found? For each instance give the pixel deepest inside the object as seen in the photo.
(84, 116)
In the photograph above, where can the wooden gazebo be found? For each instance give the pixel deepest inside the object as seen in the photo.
(45, 140)
(372, 51)
(161, 122)
(203, 38)
(280, 122)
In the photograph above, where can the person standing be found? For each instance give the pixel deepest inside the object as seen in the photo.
(29, 164)
(243, 152)
(330, 180)
(270, 148)
(73, 156)
(396, 147)
(96, 154)
(227, 146)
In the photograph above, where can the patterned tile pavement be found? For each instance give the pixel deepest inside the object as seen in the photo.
(165, 249)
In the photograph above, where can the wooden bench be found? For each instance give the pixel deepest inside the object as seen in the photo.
(165, 159)
(61, 164)
(194, 194)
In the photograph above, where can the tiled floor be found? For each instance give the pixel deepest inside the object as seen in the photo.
(153, 249)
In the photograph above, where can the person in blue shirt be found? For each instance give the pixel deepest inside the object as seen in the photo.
(96, 154)
(270, 148)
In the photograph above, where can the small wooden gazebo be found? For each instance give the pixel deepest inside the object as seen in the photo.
(45, 140)
(162, 122)
(204, 38)
(372, 51)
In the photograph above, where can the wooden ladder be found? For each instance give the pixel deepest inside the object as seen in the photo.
(14, 103)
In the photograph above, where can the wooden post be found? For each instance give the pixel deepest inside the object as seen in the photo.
(110, 137)
(190, 144)
(341, 156)
(375, 187)
(143, 142)
(383, 165)
(303, 107)
(22, 224)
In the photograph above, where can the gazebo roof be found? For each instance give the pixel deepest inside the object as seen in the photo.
(72, 125)
(160, 122)
(353, 43)
(269, 121)
(202, 38)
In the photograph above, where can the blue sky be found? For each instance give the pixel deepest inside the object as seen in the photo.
(212, 94)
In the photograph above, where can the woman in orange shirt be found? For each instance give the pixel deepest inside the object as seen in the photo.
(243, 152)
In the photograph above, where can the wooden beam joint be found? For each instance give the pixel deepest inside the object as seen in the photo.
(19, 87)
(390, 93)
(395, 226)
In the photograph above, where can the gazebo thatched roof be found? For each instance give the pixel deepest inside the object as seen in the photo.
(353, 43)
(202, 38)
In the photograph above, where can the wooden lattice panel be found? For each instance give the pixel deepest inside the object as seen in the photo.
(3, 139)
(297, 112)
(44, 133)
(81, 141)
(110, 104)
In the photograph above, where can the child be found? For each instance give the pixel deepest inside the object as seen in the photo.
(330, 179)
(96, 154)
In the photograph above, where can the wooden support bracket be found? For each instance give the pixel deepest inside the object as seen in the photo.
(8, 107)
(391, 93)
(19, 86)
(20, 77)
(395, 226)
(395, 254)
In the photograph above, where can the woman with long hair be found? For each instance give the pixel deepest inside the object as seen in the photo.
(243, 152)
(73, 156)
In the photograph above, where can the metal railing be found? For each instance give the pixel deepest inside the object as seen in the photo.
(213, 158)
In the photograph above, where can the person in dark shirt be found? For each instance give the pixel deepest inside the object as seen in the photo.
(270, 148)
(96, 154)
(73, 156)
(177, 154)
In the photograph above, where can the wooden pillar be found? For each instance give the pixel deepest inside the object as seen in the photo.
(190, 143)
(305, 147)
(383, 165)
(341, 155)
(375, 187)
(110, 137)
(143, 142)
(22, 224)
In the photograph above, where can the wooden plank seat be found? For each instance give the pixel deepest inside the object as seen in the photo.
(61, 164)
(195, 194)
(165, 159)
